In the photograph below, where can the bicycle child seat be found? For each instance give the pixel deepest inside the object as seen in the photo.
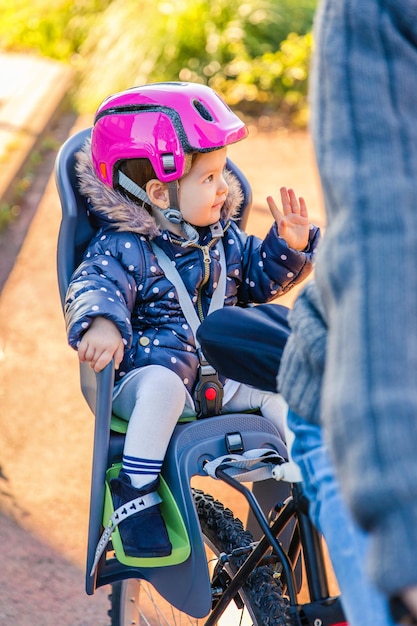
(184, 583)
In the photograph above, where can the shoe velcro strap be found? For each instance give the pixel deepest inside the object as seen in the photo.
(120, 514)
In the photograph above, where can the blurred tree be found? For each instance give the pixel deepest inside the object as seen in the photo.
(239, 48)
(55, 30)
(254, 52)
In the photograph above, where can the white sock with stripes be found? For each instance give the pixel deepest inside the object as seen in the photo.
(141, 471)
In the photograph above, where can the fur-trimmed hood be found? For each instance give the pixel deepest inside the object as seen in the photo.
(124, 214)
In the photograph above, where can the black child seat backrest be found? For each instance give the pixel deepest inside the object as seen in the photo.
(76, 230)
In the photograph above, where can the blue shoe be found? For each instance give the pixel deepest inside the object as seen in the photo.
(144, 533)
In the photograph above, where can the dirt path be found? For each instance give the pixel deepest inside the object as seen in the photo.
(45, 427)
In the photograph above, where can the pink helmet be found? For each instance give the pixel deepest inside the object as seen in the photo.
(161, 122)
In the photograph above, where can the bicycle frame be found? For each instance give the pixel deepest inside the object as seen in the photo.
(322, 610)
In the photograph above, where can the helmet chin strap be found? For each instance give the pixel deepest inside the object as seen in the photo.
(173, 213)
(129, 185)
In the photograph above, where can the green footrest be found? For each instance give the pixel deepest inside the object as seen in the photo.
(177, 533)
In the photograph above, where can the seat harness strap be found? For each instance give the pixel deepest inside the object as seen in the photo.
(208, 394)
(255, 465)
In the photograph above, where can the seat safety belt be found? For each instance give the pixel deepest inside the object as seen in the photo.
(208, 394)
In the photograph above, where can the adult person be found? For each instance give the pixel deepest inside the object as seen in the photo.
(364, 127)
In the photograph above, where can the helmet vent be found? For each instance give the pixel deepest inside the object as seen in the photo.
(203, 111)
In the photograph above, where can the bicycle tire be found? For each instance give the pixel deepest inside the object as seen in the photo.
(133, 601)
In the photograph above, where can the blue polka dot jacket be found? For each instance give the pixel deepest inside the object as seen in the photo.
(120, 279)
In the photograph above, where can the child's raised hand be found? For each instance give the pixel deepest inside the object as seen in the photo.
(100, 344)
(292, 223)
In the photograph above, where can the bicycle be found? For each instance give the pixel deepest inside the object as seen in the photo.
(218, 572)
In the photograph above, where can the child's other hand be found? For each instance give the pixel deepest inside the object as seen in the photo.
(292, 223)
(100, 344)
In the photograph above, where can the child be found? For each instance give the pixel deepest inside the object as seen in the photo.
(155, 173)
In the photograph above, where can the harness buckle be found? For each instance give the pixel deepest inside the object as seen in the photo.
(208, 394)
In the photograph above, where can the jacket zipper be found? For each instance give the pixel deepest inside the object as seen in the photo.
(206, 262)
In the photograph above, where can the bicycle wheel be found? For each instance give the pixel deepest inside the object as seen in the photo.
(136, 602)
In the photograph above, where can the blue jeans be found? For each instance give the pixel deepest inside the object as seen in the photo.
(347, 544)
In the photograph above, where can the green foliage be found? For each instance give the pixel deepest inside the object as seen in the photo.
(244, 50)
(274, 81)
(54, 29)
(254, 52)
(10, 211)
